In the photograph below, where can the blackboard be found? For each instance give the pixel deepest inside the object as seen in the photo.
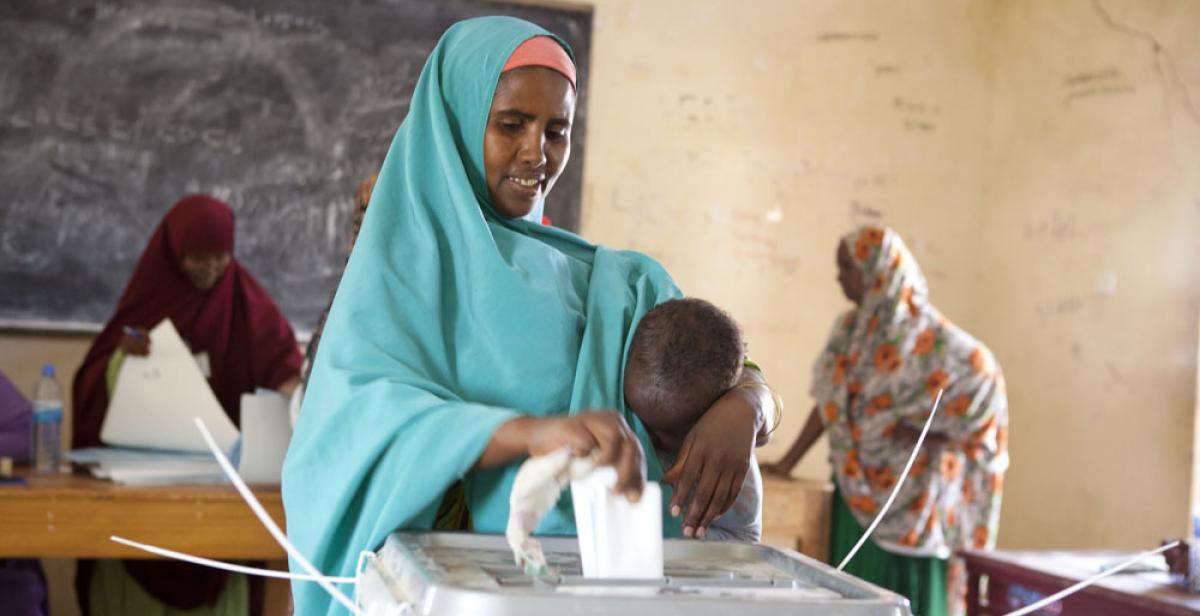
(111, 111)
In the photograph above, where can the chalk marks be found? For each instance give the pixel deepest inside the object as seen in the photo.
(863, 206)
(916, 116)
(1061, 307)
(1057, 226)
(840, 36)
(86, 123)
(883, 69)
(1108, 81)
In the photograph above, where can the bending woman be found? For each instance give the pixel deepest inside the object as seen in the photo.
(465, 335)
(187, 274)
(874, 385)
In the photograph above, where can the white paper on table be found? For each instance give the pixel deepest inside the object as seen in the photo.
(617, 539)
(157, 397)
(266, 430)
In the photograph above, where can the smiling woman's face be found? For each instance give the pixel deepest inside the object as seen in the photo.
(204, 269)
(528, 138)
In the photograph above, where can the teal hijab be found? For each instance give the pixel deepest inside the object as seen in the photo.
(449, 321)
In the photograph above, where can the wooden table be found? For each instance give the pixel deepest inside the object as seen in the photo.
(69, 516)
(797, 514)
(1017, 579)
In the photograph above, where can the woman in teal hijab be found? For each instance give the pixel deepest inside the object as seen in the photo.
(465, 335)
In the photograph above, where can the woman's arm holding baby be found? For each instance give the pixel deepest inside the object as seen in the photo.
(715, 457)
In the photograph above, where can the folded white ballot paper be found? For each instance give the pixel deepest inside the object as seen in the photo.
(157, 397)
(617, 538)
(266, 431)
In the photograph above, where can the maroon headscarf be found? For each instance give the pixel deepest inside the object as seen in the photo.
(249, 344)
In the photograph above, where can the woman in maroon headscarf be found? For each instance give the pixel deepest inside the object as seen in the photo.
(187, 274)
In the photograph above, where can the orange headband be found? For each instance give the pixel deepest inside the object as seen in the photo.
(542, 51)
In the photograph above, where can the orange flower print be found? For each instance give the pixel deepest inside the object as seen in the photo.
(996, 483)
(909, 538)
(878, 286)
(925, 342)
(980, 362)
(951, 516)
(887, 359)
(919, 502)
(1002, 438)
(897, 258)
(958, 407)
(862, 249)
(906, 296)
(951, 466)
(982, 432)
(872, 236)
(882, 478)
(882, 402)
(862, 504)
(851, 467)
(972, 449)
(980, 537)
(840, 364)
(938, 379)
(919, 464)
(930, 521)
(968, 492)
(856, 432)
(831, 412)
(854, 388)
(872, 325)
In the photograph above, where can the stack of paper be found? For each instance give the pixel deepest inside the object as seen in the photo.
(151, 423)
(142, 467)
(158, 396)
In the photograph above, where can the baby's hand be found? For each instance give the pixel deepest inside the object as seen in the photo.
(713, 462)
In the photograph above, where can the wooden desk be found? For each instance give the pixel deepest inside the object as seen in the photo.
(796, 515)
(67, 516)
(1017, 579)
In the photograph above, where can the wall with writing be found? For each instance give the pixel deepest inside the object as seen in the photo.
(112, 110)
(1089, 282)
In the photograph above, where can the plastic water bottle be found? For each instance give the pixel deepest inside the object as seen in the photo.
(1193, 573)
(47, 422)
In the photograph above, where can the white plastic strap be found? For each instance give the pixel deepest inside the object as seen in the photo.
(1033, 607)
(899, 484)
(270, 524)
(216, 564)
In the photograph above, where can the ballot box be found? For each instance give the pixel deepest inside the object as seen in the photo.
(439, 574)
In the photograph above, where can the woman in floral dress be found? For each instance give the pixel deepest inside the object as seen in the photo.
(874, 385)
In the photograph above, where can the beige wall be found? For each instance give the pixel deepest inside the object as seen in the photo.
(1089, 287)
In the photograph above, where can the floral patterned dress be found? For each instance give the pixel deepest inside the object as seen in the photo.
(882, 368)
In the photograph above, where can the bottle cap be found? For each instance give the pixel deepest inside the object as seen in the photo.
(48, 370)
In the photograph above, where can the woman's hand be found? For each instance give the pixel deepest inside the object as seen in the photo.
(602, 431)
(135, 341)
(712, 464)
(288, 387)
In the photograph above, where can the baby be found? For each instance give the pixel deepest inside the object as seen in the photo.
(685, 355)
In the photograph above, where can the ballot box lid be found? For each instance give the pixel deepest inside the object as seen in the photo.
(436, 573)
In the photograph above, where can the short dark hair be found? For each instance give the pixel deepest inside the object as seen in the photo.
(685, 354)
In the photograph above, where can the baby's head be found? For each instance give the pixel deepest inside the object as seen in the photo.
(685, 354)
